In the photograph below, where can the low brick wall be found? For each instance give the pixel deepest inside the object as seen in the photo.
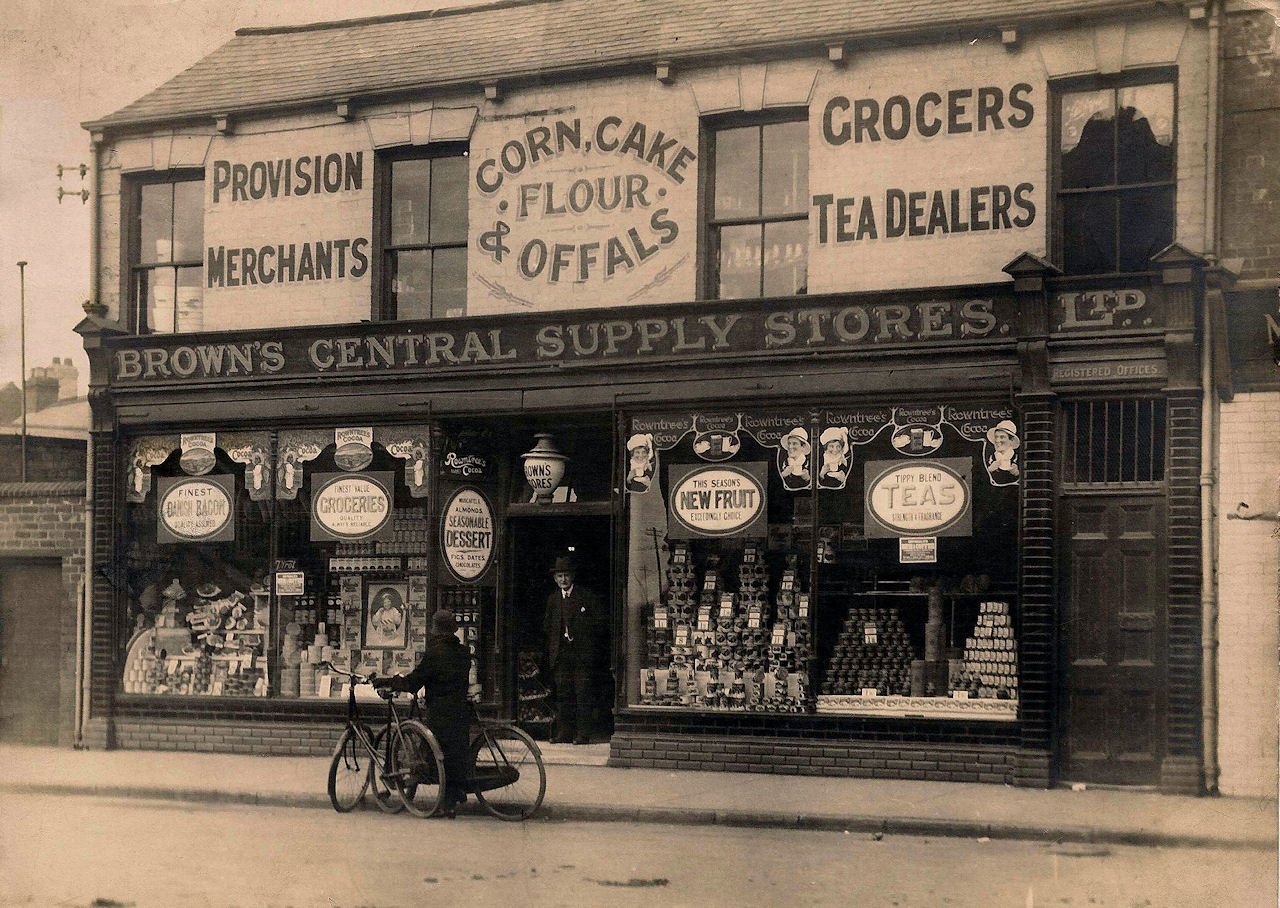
(214, 736)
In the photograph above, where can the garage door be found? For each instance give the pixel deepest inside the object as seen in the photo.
(31, 602)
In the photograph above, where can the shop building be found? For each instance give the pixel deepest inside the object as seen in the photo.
(857, 355)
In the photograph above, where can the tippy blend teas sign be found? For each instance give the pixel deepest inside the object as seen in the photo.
(919, 498)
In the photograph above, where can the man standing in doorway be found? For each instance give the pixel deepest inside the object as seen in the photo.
(574, 624)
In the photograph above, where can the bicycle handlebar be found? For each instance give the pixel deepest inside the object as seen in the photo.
(372, 678)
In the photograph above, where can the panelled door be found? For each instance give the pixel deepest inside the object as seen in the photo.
(32, 601)
(1113, 638)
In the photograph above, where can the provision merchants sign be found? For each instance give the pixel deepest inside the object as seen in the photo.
(918, 498)
(196, 510)
(347, 507)
(466, 533)
(717, 501)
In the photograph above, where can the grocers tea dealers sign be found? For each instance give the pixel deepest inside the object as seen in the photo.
(466, 533)
(349, 507)
(718, 501)
(196, 509)
(919, 497)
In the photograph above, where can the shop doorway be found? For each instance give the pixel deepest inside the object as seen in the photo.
(536, 542)
(31, 608)
(1113, 639)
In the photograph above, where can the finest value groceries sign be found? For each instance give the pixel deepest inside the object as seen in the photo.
(718, 501)
(919, 497)
(349, 507)
(196, 510)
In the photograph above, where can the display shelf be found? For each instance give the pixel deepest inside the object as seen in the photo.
(917, 707)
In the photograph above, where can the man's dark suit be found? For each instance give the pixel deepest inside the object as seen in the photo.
(574, 628)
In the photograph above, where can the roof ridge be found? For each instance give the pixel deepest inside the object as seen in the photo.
(411, 16)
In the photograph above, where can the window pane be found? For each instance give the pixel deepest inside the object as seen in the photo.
(1088, 140)
(1146, 227)
(410, 274)
(449, 200)
(786, 257)
(155, 300)
(449, 283)
(155, 216)
(410, 195)
(190, 306)
(188, 221)
(1145, 133)
(785, 183)
(1088, 234)
(737, 175)
(740, 262)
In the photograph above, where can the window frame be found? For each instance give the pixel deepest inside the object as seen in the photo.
(131, 239)
(709, 225)
(383, 306)
(1113, 83)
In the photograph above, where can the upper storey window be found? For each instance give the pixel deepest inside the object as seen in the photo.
(424, 228)
(166, 241)
(1116, 179)
(758, 229)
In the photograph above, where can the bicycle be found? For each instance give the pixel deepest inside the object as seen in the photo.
(508, 777)
(402, 762)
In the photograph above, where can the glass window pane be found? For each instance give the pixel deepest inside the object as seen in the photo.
(737, 176)
(410, 274)
(410, 196)
(1088, 234)
(190, 300)
(786, 258)
(188, 221)
(449, 200)
(1146, 227)
(1088, 140)
(449, 283)
(155, 300)
(785, 168)
(1145, 133)
(740, 262)
(155, 217)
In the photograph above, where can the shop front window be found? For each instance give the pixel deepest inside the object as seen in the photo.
(165, 257)
(758, 226)
(424, 225)
(862, 562)
(1116, 179)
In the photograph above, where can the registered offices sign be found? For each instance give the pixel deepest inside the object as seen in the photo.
(466, 533)
(196, 509)
(350, 508)
(923, 497)
(717, 501)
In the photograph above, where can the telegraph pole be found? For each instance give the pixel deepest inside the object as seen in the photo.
(22, 342)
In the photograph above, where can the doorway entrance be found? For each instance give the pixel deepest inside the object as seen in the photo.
(536, 542)
(31, 605)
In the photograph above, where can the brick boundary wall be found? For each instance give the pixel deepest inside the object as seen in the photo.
(293, 739)
(45, 520)
(815, 758)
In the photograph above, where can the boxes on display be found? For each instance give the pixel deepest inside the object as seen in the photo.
(989, 669)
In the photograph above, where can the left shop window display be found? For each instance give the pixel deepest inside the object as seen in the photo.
(197, 616)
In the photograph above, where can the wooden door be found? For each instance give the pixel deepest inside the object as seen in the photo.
(31, 608)
(1113, 639)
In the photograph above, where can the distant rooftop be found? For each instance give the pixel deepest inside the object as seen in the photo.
(65, 419)
(288, 66)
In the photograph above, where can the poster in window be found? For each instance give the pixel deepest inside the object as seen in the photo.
(386, 622)
(196, 509)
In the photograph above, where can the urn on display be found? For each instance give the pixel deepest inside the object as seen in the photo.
(544, 467)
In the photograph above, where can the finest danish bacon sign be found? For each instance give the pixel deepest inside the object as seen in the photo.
(196, 510)
(717, 501)
(349, 508)
(919, 498)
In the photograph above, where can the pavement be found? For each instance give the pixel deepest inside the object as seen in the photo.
(581, 788)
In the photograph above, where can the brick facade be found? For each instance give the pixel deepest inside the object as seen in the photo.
(46, 520)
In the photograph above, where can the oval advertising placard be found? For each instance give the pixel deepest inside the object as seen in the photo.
(466, 533)
(716, 501)
(196, 509)
(920, 498)
(349, 507)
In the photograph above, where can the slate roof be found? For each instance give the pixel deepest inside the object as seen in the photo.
(262, 68)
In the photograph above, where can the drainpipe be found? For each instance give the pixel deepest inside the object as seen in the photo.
(1209, 423)
(84, 606)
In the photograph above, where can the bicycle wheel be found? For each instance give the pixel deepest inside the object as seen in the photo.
(507, 774)
(417, 765)
(381, 780)
(349, 771)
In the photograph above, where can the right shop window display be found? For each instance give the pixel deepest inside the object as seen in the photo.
(863, 562)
